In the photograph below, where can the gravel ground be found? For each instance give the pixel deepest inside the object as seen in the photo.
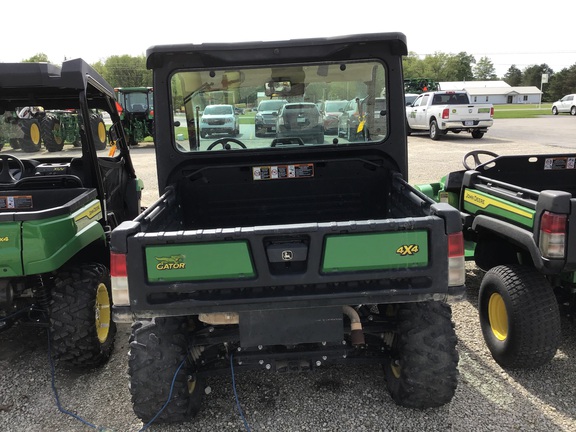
(342, 398)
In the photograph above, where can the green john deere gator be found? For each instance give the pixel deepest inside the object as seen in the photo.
(279, 254)
(517, 213)
(56, 215)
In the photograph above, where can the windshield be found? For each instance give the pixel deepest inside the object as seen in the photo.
(136, 102)
(335, 106)
(279, 106)
(219, 110)
(271, 105)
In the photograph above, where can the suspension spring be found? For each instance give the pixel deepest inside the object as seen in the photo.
(41, 293)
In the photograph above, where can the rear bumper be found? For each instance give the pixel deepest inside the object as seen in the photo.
(385, 295)
(481, 125)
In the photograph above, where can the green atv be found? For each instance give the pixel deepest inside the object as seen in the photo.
(137, 112)
(517, 213)
(56, 215)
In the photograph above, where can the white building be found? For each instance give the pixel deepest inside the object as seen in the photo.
(496, 92)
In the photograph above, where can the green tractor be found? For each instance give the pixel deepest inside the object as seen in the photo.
(136, 107)
(420, 85)
(22, 133)
(61, 126)
(57, 212)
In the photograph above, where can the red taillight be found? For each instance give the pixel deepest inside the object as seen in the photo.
(553, 234)
(446, 113)
(455, 245)
(492, 112)
(119, 279)
(553, 223)
(118, 265)
(456, 261)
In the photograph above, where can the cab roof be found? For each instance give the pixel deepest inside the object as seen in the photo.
(45, 84)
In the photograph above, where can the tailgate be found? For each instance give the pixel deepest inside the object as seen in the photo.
(274, 267)
(469, 112)
(234, 259)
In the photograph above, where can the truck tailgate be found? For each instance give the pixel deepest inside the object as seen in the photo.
(469, 112)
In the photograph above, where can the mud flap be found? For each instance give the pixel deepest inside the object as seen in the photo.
(291, 326)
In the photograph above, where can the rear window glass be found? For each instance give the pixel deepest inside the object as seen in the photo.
(258, 95)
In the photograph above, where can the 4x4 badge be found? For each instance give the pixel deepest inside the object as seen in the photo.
(287, 255)
(408, 250)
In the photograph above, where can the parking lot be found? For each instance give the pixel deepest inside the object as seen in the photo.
(344, 398)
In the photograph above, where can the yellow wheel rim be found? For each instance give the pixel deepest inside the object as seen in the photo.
(395, 368)
(101, 132)
(103, 313)
(35, 133)
(56, 131)
(498, 316)
(191, 385)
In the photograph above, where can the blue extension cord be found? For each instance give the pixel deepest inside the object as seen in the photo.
(147, 425)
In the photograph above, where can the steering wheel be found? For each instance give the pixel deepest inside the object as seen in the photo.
(5, 174)
(476, 155)
(224, 143)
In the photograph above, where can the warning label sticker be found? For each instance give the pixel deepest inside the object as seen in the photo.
(17, 202)
(559, 163)
(280, 172)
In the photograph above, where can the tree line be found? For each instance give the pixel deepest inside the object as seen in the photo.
(464, 67)
(130, 71)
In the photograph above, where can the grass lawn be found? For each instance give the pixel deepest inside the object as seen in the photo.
(522, 111)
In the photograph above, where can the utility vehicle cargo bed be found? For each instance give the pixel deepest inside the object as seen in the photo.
(26, 204)
(328, 191)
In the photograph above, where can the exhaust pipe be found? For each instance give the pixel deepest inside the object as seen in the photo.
(356, 335)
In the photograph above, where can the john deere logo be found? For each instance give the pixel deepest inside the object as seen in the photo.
(4, 239)
(173, 262)
(408, 250)
(287, 255)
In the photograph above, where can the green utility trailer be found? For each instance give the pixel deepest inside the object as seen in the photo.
(56, 215)
(517, 213)
(137, 112)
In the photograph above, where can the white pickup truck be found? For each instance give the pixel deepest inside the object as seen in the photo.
(441, 112)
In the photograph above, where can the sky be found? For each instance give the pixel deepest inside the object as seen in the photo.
(520, 34)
